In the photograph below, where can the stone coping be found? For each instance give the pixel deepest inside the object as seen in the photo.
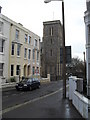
(83, 98)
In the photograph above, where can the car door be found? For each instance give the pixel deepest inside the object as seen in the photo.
(33, 83)
(36, 82)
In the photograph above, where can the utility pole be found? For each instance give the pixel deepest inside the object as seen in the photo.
(64, 54)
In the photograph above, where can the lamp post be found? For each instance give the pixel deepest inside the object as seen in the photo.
(64, 54)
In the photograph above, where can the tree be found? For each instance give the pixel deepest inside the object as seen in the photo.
(76, 68)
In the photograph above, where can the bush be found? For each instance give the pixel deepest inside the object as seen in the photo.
(12, 79)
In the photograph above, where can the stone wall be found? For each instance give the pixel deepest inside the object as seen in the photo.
(80, 102)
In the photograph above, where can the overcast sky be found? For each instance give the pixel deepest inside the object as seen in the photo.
(32, 14)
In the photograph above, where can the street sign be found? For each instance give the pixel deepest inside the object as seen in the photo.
(68, 54)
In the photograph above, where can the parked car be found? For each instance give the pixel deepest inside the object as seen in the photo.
(28, 84)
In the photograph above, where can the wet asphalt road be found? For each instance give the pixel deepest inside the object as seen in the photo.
(12, 97)
(46, 102)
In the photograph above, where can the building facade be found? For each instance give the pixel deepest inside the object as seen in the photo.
(50, 50)
(20, 50)
(4, 48)
(87, 28)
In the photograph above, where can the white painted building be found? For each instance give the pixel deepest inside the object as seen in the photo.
(4, 48)
(87, 28)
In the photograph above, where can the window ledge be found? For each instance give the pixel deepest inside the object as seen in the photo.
(18, 56)
(12, 55)
(3, 77)
(1, 53)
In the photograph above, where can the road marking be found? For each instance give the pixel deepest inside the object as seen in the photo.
(28, 102)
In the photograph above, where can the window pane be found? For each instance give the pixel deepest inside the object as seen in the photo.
(12, 52)
(12, 70)
(17, 34)
(1, 66)
(1, 45)
(17, 70)
(35, 42)
(29, 70)
(51, 31)
(29, 39)
(18, 50)
(37, 55)
(1, 69)
(1, 26)
(29, 53)
(26, 38)
(25, 53)
(1, 73)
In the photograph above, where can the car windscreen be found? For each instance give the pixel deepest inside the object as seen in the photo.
(23, 81)
(29, 80)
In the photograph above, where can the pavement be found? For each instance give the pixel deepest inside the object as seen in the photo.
(53, 106)
(8, 86)
(11, 85)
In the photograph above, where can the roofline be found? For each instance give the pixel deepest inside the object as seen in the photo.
(19, 25)
(52, 22)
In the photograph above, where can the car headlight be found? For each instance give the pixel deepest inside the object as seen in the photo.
(25, 85)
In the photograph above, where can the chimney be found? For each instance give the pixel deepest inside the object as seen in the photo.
(0, 9)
